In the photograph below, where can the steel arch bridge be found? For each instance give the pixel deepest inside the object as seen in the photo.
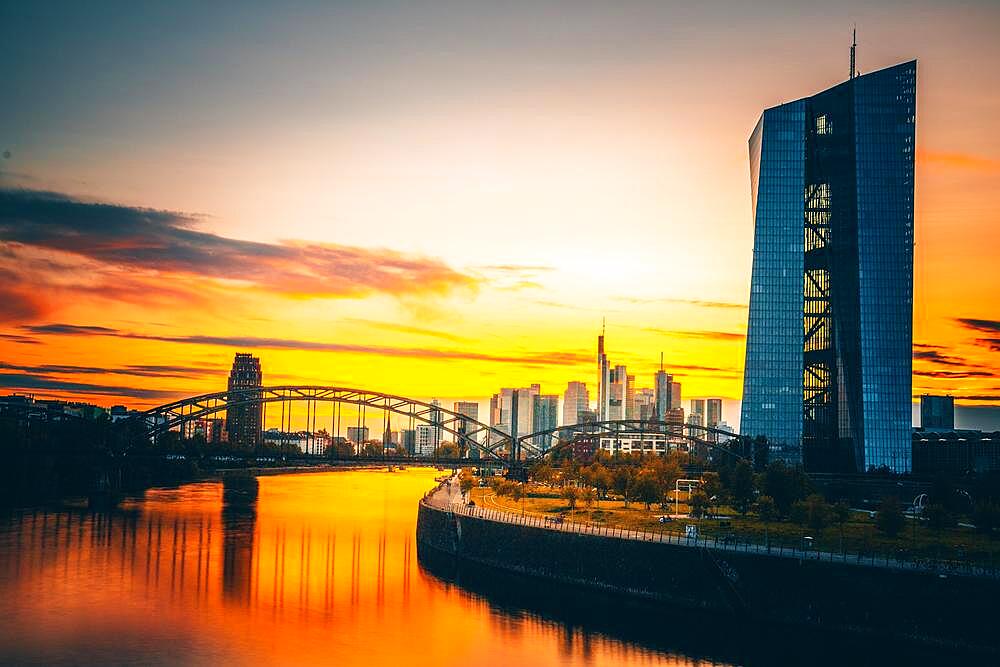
(562, 437)
(465, 430)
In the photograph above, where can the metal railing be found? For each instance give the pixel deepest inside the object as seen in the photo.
(722, 544)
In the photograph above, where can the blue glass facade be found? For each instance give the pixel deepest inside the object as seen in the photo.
(772, 389)
(828, 364)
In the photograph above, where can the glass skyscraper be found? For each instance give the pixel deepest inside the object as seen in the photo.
(828, 363)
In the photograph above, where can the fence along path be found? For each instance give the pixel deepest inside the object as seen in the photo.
(446, 496)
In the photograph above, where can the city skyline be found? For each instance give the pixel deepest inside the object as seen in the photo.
(321, 299)
(471, 333)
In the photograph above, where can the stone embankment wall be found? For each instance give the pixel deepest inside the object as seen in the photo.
(947, 610)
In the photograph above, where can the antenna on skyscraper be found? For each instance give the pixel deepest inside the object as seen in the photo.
(661, 361)
(854, 48)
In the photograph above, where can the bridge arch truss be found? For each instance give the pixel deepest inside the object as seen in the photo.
(462, 428)
(546, 443)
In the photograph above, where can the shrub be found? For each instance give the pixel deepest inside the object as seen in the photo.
(938, 517)
(766, 509)
(986, 516)
(890, 516)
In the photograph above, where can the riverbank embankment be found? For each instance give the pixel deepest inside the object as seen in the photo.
(880, 598)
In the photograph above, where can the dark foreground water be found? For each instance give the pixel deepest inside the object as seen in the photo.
(323, 569)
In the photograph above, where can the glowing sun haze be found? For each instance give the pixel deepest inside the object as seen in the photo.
(443, 199)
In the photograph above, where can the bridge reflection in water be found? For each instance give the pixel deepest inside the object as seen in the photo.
(320, 568)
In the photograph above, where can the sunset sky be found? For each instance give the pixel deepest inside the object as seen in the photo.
(440, 199)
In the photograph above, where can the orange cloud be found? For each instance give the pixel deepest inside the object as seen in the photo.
(159, 242)
(957, 160)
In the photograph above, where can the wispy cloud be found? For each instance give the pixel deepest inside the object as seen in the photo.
(956, 374)
(513, 276)
(988, 326)
(30, 382)
(251, 342)
(517, 269)
(983, 326)
(704, 335)
(992, 343)
(935, 357)
(136, 370)
(16, 338)
(957, 160)
(404, 328)
(687, 302)
(168, 242)
(17, 303)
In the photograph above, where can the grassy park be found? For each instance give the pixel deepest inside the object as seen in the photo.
(738, 506)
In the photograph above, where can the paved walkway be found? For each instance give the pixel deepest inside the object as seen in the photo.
(447, 496)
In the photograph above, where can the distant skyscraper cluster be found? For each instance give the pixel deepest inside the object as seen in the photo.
(618, 397)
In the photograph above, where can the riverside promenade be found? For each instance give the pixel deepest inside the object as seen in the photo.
(448, 497)
(881, 597)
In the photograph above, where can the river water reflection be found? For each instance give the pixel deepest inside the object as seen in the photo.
(321, 569)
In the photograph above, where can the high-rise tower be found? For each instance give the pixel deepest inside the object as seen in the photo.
(603, 380)
(575, 400)
(663, 385)
(828, 363)
(243, 422)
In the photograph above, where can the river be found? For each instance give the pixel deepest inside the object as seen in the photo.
(322, 569)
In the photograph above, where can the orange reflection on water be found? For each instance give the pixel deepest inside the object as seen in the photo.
(322, 568)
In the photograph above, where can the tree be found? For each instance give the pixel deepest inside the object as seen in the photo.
(742, 489)
(588, 497)
(761, 452)
(517, 492)
(699, 504)
(570, 494)
(600, 478)
(711, 485)
(817, 512)
(500, 486)
(766, 509)
(466, 483)
(890, 517)
(447, 450)
(340, 449)
(784, 484)
(623, 481)
(542, 472)
(798, 513)
(667, 470)
(647, 488)
(841, 513)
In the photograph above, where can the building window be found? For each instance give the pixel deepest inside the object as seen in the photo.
(823, 125)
